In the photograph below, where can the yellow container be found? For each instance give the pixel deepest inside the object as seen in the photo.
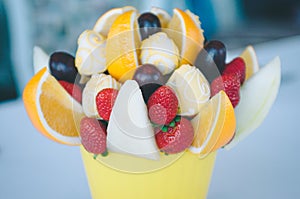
(183, 177)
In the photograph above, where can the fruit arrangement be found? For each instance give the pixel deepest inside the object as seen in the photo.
(142, 84)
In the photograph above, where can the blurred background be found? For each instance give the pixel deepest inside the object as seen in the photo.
(55, 25)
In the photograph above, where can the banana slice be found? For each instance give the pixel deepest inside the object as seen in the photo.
(97, 83)
(90, 55)
(160, 51)
(191, 88)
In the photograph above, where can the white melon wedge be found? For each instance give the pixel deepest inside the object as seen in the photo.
(40, 59)
(129, 130)
(257, 96)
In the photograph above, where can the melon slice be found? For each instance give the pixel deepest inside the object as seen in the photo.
(129, 130)
(40, 59)
(257, 96)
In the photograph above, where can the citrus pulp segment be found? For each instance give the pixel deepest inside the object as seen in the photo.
(106, 20)
(121, 47)
(214, 125)
(186, 32)
(51, 109)
(251, 62)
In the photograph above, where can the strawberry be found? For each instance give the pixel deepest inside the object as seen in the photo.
(162, 105)
(230, 84)
(236, 67)
(177, 138)
(73, 89)
(105, 100)
(93, 135)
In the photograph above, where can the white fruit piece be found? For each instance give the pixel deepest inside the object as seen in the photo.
(129, 130)
(163, 16)
(160, 51)
(257, 96)
(40, 59)
(84, 79)
(97, 83)
(191, 87)
(90, 55)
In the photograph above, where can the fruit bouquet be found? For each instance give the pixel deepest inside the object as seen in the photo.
(149, 102)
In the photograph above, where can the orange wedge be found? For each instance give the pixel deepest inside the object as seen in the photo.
(214, 125)
(184, 28)
(121, 47)
(51, 109)
(251, 62)
(106, 20)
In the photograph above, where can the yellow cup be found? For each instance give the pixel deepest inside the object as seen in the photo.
(187, 177)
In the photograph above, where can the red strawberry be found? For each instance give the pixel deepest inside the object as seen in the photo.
(105, 100)
(162, 105)
(93, 135)
(230, 84)
(73, 89)
(236, 67)
(177, 138)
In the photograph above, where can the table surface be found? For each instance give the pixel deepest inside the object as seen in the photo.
(265, 165)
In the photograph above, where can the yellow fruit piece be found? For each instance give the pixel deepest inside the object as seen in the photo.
(250, 60)
(184, 28)
(106, 20)
(163, 16)
(214, 125)
(121, 48)
(51, 109)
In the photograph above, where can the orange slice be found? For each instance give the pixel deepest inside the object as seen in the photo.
(251, 61)
(106, 20)
(184, 28)
(214, 125)
(51, 109)
(121, 47)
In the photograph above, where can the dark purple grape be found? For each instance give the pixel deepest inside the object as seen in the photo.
(62, 66)
(211, 59)
(148, 73)
(149, 24)
(149, 79)
(217, 50)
